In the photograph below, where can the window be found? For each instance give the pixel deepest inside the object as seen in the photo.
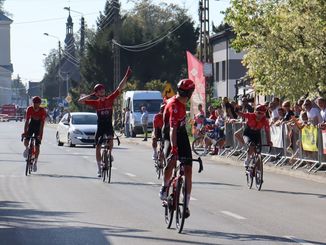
(152, 106)
(217, 71)
(223, 70)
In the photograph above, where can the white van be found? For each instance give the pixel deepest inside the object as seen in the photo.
(134, 100)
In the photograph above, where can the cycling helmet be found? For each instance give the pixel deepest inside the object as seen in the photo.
(186, 87)
(37, 100)
(261, 108)
(98, 87)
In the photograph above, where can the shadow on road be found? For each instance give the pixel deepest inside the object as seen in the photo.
(214, 183)
(60, 176)
(245, 238)
(296, 193)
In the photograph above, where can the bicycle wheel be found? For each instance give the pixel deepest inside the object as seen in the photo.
(27, 166)
(28, 163)
(259, 173)
(197, 146)
(105, 167)
(109, 168)
(250, 175)
(157, 168)
(169, 207)
(181, 198)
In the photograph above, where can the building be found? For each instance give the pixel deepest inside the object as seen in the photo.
(228, 68)
(6, 68)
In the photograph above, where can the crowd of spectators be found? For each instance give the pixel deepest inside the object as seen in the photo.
(303, 112)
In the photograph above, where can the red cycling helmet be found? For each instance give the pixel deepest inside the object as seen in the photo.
(37, 100)
(98, 87)
(186, 87)
(261, 108)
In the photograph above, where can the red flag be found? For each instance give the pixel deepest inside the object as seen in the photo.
(196, 73)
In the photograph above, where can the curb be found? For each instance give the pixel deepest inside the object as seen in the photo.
(318, 177)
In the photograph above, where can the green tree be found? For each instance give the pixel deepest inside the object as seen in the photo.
(155, 85)
(284, 42)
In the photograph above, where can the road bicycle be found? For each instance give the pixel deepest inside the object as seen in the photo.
(107, 158)
(255, 168)
(30, 160)
(160, 161)
(177, 195)
(199, 146)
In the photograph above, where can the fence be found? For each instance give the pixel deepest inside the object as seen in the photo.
(291, 145)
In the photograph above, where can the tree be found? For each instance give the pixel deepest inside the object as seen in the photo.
(284, 43)
(155, 85)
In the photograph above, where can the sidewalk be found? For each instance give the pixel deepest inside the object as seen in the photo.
(301, 173)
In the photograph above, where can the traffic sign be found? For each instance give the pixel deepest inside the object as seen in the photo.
(44, 103)
(68, 99)
(168, 91)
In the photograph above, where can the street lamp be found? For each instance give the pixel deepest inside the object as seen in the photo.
(59, 65)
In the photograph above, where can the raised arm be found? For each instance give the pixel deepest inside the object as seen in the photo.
(85, 97)
(124, 80)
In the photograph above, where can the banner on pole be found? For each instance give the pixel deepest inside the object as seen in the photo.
(309, 138)
(276, 136)
(324, 141)
(196, 74)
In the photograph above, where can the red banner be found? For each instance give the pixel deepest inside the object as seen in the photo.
(324, 141)
(196, 73)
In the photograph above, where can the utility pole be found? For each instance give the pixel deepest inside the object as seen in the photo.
(82, 36)
(204, 30)
(59, 69)
(115, 5)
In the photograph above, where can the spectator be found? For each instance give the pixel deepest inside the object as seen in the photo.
(127, 122)
(321, 102)
(297, 110)
(144, 121)
(288, 112)
(212, 114)
(313, 113)
(246, 107)
(274, 111)
(229, 110)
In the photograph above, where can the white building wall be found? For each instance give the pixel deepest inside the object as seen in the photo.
(5, 60)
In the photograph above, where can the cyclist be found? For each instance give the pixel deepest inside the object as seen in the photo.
(176, 141)
(254, 123)
(34, 125)
(104, 108)
(157, 130)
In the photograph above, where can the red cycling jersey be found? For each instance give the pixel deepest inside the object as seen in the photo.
(31, 113)
(104, 106)
(158, 120)
(253, 123)
(175, 113)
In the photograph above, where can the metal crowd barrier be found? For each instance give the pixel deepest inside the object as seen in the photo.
(287, 146)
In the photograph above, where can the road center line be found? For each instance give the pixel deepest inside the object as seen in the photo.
(86, 157)
(193, 199)
(150, 183)
(130, 174)
(233, 215)
(297, 240)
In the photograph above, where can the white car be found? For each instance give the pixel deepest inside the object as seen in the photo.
(77, 128)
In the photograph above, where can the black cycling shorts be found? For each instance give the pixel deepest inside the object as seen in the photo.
(105, 128)
(252, 136)
(34, 130)
(184, 149)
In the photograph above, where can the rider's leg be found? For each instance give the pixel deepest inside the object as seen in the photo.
(154, 146)
(188, 175)
(110, 145)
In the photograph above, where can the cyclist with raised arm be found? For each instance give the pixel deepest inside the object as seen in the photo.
(254, 123)
(34, 125)
(176, 141)
(104, 108)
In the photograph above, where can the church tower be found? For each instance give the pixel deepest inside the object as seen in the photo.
(6, 67)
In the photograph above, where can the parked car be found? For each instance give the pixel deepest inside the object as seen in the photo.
(77, 128)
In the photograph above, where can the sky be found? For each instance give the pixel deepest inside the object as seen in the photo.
(33, 18)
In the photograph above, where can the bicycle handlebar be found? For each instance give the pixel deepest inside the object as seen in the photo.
(24, 137)
(201, 168)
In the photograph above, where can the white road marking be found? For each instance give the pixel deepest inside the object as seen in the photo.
(297, 240)
(236, 216)
(193, 199)
(75, 153)
(114, 168)
(130, 174)
(150, 183)
(85, 157)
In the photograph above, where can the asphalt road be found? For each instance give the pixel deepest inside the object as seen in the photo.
(65, 203)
